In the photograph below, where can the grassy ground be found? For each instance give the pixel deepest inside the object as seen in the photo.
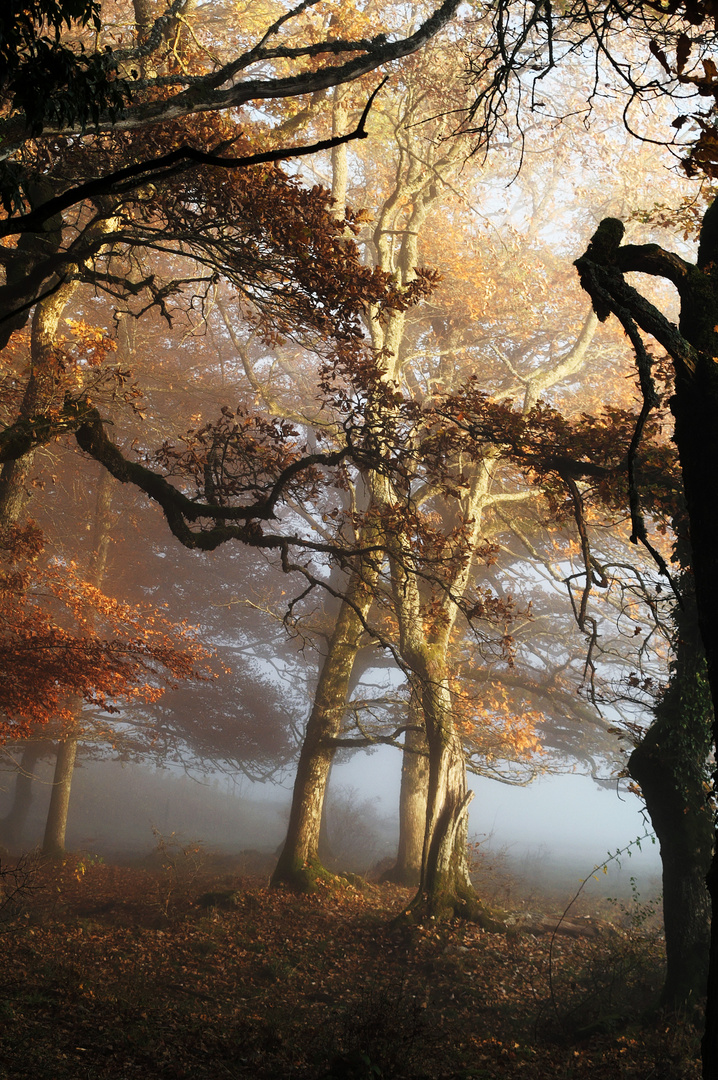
(133, 972)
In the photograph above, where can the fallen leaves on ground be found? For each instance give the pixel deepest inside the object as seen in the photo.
(116, 972)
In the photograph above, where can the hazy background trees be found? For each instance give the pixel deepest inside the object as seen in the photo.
(276, 369)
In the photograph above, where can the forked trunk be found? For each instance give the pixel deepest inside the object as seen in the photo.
(445, 887)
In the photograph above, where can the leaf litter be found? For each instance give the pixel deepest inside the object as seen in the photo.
(116, 972)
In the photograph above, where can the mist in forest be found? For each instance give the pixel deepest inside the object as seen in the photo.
(542, 839)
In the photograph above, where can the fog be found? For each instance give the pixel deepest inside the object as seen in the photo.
(546, 836)
(531, 688)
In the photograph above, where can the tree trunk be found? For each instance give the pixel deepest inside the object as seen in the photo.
(13, 824)
(683, 825)
(412, 801)
(445, 887)
(299, 866)
(56, 824)
(40, 395)
(670, 766)
(324, 846)
(695, 407)
(53, 843)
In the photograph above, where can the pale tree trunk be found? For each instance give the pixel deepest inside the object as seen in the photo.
(53, 844)
(445, 887)
(412, 800)
(340, 165)
(299, 866)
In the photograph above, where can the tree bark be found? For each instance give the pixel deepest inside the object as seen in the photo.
(695, 407)
(670, 766)
(412, 800)
(693, 347)
(299, 866)
(445, 887)
(56, 825)
(682, 821)
(40, 395)
(53, 844)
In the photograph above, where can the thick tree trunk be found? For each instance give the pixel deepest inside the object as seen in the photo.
(683, 825)
(53, 843)
(299, 866)
(695, 407)
(412, 801)
(445, 887)
(670, 766)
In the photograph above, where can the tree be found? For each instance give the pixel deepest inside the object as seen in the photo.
(670, 763)
(63, 637)
(35, 199)
(264, 233)
(281, 454)
(691, 347)
(429, 349)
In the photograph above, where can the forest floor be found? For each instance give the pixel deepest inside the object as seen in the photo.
(114, 972)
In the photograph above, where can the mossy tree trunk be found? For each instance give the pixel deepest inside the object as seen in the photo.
(670, 766)
(693, 347)
(445, 887)
(299, 865)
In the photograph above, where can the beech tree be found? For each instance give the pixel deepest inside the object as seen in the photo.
(109, 228)
(670, 763)
(421, 180)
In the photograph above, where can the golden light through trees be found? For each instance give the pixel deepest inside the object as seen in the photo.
(366, 376)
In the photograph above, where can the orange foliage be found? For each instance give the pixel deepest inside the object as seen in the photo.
(61, 637)
(491, 726)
